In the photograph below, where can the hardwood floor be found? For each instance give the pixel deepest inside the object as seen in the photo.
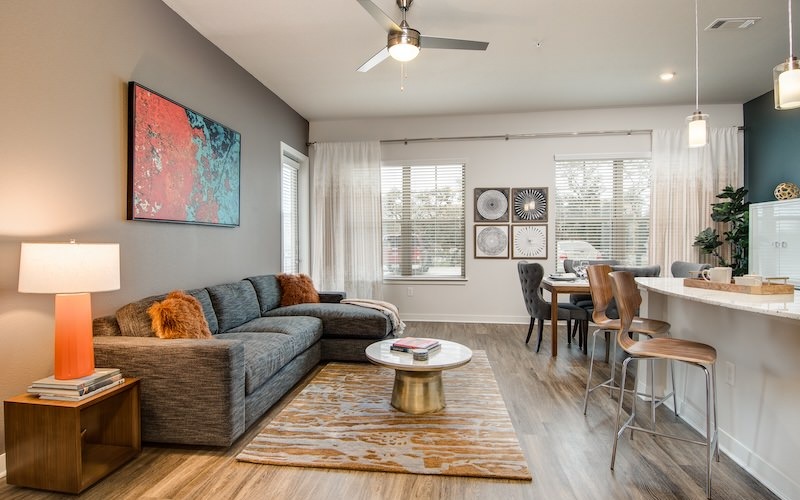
(568, 453)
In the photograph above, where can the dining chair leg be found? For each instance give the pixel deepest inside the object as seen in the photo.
(530, 330)
(671, 366)
(709, 434)
(716, 426)
(617, 430)
(652, 393)
(539, 340)
(589, 378)
(608, 344)
(569, 330)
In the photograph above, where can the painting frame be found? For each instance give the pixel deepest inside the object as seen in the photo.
(491, 204)
(529, 205)
(183, 167)
(529, 241)
(487, 241)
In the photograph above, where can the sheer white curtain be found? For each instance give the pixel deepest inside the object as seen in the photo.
(346, 222)
(685, 183)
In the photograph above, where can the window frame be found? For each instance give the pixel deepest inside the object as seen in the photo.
(407, 240)
(621, 197)
(291, 158)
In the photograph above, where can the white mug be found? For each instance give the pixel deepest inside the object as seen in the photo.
(718, 274)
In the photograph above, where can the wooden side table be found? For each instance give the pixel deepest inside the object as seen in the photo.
(68, 446)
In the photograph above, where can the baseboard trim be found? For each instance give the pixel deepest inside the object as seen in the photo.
(3, 465)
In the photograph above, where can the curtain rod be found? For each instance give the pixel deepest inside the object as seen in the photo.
(508, 137)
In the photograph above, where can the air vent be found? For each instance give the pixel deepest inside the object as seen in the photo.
(732, 23)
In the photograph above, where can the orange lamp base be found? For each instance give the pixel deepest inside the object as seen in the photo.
(74, 348)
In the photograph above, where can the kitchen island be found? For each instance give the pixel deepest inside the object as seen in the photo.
(757, 338)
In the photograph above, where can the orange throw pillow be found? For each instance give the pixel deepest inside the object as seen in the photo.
(179, 316)
(297, 289)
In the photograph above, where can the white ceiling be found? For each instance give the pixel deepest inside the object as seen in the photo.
(542, 55)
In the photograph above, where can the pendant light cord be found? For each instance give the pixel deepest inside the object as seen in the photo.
(697, 59)
(791, 52)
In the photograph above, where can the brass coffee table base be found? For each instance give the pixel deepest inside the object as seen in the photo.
(418, 391)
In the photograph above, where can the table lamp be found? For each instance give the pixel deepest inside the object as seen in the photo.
(71, 271)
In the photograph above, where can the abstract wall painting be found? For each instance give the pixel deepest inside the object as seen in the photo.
(491, 204)
(182, 166)
(529, 204)
(491, 242)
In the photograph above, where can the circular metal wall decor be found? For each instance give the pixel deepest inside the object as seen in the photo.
(491, 242)
(491, 204)
(529, 204)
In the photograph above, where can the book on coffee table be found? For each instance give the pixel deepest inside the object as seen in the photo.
(408, 344)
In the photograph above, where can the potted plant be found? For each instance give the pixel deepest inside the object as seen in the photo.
(736, 213)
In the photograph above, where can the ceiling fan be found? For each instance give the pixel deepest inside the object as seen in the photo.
(405, 42)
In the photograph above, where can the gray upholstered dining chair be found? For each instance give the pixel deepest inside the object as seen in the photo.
(530, 279)
(682, 269)
(584, 300)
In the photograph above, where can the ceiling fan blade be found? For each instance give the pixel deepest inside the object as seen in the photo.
(435, 42)
(374, 60)
(388, 24)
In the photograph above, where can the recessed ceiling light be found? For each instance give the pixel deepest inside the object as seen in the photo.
(665, 77)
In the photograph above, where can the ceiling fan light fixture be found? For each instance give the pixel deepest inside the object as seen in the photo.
(404, 46)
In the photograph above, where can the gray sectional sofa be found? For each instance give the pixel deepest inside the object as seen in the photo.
(209, 391)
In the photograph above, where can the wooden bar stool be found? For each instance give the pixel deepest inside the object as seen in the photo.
(626, 293)
(600, 289)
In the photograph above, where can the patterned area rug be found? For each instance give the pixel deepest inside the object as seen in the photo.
(343, 419)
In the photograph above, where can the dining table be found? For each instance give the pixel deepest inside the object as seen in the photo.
(556, 285)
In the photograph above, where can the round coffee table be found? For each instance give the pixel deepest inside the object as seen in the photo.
(418, 385)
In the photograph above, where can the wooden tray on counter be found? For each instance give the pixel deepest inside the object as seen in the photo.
(765, 289)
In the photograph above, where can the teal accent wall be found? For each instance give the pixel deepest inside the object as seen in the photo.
(771, 147)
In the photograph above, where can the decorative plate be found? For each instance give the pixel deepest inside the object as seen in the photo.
(529, 241)
(530, 204)
(491, 242)
(491, 204)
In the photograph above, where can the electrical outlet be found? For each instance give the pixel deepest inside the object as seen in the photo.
(730, 373)
(410, 291)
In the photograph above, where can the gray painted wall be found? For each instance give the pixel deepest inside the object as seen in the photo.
(64, 68)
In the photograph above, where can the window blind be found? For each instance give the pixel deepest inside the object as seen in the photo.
(290, 244)
(423, 220)
(603, 202)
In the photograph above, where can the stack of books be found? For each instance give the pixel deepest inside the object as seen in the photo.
(411, 344)
(76, 389)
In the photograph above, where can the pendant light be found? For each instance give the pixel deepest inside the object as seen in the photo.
(786, 77)
(698, 123)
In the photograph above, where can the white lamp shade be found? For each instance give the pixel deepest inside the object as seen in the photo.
(698, 130)
(68, 267)
(786, 78)
(403, 51)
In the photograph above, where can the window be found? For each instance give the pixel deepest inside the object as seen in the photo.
(602, 208)
(423, 221)
(294, 214)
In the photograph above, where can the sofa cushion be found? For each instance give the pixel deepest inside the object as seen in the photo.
(235, 304)
(342, 320)
(179, 316)
(297, 289)
(201, 294)
(267, 351)
(268, 291)
(133, 318)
